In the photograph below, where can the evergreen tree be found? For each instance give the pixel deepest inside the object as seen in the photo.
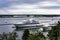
(9, 36)
(14, 35)
(25, 34)
(54, 33)
(36, 36)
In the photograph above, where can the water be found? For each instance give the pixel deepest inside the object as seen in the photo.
(8, 28)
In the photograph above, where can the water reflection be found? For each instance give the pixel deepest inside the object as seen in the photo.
(6, 28)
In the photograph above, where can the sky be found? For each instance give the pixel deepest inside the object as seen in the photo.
(30, 7)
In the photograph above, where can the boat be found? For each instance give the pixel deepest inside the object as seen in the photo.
(29, 24)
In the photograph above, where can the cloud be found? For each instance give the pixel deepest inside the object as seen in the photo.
(24, 6)
(7, 3)
(44, 5)
(29, 7)
(49, 5)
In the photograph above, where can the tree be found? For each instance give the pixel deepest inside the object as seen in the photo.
(9, 36)
(36, 36)
(25, 34)
(54, 33)
(12, 36)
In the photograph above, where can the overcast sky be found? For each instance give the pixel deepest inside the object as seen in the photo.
(29, 6)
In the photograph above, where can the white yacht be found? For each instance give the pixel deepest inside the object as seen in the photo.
(29, 24)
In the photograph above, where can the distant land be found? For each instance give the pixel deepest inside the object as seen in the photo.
(27, 15)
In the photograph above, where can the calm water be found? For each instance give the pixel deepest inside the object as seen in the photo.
(8, 28)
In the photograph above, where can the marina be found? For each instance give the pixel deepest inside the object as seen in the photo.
(29, 21)
(43, 23)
